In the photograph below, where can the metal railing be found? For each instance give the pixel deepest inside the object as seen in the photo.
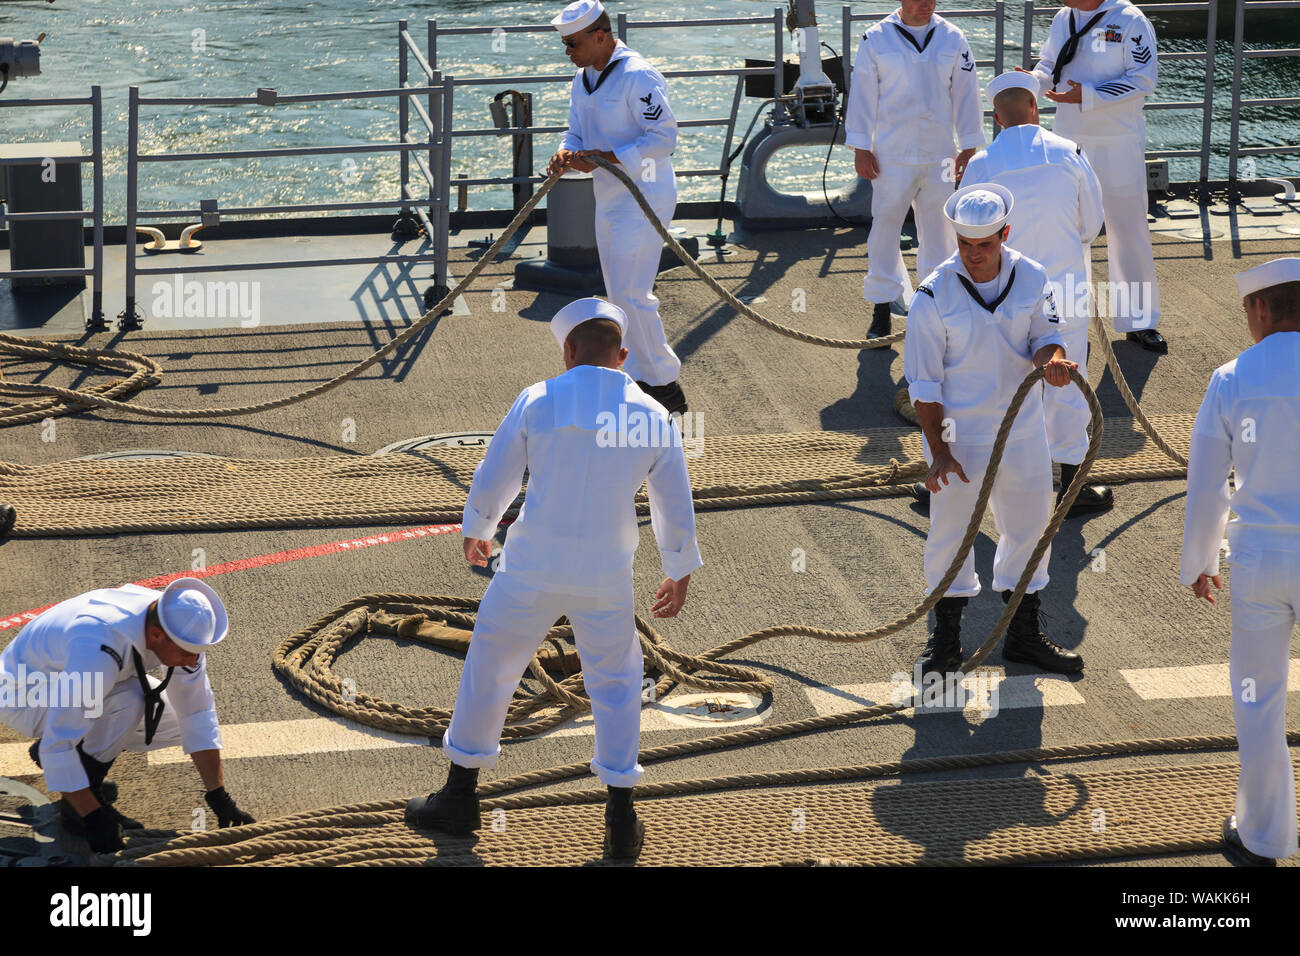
(438, 146)
(1206, 106)
(95, 214)
(1241, 54)
(776, 22)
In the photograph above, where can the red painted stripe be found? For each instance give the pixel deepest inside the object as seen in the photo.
(264, 560)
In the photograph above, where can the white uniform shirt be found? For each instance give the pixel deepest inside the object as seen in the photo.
(970, 360)
(627, 113)
(1249, 421)
(1057, 210)
(589, 438)
(904, 103)
(91, 634)
(1114, 64)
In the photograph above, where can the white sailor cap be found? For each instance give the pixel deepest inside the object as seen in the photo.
(979, 210)
(577, 16)
(1011, 81)
(1268, 275)
(192, 615)
(584, 310)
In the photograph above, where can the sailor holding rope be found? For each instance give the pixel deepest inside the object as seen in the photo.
(977, 326)
(90, 656)
(1248, 423)
(618, 110)
(1058, 212)
(1098, 66)
(589, 439)
(914, 87)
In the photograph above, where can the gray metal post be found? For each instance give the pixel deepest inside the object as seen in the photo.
(1237, 31)
(622, 27)
(403, 117)
(444, 213)
(431, 53)
(778, 65)
(1207, 117)
(429, 40)
(846, 24)
(129, 318)
(97, 323)
(999, 37)
(1026, 54)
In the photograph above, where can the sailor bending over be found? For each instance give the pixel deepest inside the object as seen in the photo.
(91, 654)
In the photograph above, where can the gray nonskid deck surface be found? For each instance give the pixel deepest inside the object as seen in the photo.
(863, 558)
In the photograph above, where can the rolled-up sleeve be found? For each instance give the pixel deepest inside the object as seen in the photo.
(672, 511)
(924, 345)
(1209, 463)
(499, 476)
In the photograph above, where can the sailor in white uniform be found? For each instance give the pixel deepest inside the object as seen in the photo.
(977, 326)
(1099, 65)
(1248, 423)
(618, 110)
(914, 87)
(91, 654)
(1057, 213)
(589, 439)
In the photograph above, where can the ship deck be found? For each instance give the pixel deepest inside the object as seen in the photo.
(1157, 661)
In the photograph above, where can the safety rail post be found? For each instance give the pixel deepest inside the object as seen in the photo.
(403, 125)
(1207, 116)
(846, 38)
(999, 36)
(443, 243)
(96, 322)
(129, 319)
(1026, 49)
(622, 27)
(430, 38)
(1238, 31)
(778, 61)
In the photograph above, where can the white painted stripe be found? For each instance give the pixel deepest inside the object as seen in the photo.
(985, 691)
(1194, 680)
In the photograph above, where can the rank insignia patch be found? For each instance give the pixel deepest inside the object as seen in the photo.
(651, 112)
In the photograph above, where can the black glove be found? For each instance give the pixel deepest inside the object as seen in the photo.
(224, 807)
(103, 832)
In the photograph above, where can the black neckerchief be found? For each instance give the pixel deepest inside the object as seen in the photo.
(1071, 46)
(603, 74)
(153, 702)
(975, 294)
(907, 35)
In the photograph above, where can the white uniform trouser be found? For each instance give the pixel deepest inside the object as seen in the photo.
(897, 188)
(119, 727)
(1265, 598)
(512, 620)
(630, 250)
(1065, 409)
(1021, 503)
(1134, 295)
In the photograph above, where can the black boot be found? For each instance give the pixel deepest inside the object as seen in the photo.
(942, 653)
(7, 518)
(1027, 644)
(1092, 500)
(453, 809)
(922, 494)
(624, 831)
(880, 321)
(105, 790)
(670, 396)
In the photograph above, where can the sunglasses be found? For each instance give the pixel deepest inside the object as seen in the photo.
(571, 42)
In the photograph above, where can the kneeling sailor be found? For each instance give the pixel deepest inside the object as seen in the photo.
(978, 325)
(96, 650)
